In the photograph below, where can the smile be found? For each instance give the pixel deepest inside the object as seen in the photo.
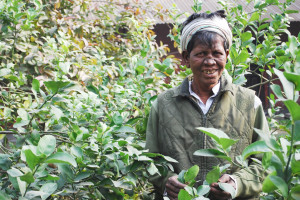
(210, 71)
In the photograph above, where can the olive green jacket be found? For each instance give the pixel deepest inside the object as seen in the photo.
(172, 124)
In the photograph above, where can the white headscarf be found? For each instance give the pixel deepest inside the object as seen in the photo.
(216, 24)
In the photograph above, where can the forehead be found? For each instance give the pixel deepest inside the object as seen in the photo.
(215, 42)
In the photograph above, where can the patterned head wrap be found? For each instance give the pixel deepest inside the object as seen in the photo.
(216, 24)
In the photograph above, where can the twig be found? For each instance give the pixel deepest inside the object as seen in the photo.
(23, 133)
(259, 75)
(269, 81)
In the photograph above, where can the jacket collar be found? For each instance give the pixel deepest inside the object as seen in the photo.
(183, 89)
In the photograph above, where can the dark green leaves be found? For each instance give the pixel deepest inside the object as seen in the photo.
(56, 86)
(255, 148)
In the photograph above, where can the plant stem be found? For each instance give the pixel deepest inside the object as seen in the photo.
(253, 86)
(39, 109)
(32, 175)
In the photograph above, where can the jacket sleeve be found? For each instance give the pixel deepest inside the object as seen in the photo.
(152, 144)
(248, 184)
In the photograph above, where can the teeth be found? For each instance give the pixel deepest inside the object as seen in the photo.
(209, 71)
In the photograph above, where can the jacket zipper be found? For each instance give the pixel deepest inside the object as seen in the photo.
(204, 115)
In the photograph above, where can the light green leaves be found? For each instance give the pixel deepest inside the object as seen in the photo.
(184, 195)
(191, 174)
(47, 190)
(47, 145)
(213, 175)
(294, 109)
(188, 176)
(288, 86)
(61, 157)
(212, 153)
(223, 141)
(228, 188)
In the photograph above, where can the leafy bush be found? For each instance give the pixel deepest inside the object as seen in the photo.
(77, 81)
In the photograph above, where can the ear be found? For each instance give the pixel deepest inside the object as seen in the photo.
(227, 53)
(185, 56)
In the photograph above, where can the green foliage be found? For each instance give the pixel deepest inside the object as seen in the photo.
(77, 81)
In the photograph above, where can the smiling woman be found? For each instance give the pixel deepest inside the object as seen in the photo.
(205, 99)
(207, 64)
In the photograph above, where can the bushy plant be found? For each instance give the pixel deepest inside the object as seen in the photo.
(77, 82)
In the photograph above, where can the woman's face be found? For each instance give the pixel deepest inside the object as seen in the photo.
(207, 63)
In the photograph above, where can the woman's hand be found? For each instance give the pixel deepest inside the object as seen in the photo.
(216, 193)
(173, 187)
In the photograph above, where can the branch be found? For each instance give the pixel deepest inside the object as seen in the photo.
(269, 81)
(259, 75)
(23, 133)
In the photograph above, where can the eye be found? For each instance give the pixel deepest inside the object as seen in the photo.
(218, 53)
(201, 53)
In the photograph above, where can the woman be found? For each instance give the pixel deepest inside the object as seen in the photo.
(205, 99)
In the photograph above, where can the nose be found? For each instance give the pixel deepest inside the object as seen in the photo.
(209, 61)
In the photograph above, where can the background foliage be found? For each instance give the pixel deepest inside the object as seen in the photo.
(77, 80)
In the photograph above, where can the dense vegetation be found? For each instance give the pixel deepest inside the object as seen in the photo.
(77, 81)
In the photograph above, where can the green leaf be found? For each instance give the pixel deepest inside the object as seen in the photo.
(213, 133)
(35, 85)
(55, 86)
(277, 91)
(266, 160)
(82, 175)
(294, 109)
(203, 190)
(280, 184)
(288, 86)
(268, 186)
(4, 196)
(291, 11)
(295, 192)
(13, 172)
(50, 178)
(31, 159)
(48, 189)
(139, 69)
(61, 157)
(293, 46)
(22, 186)
(117, 118)
(23, 114)
(255, 148)
(209, 153)
(225, 142)
(28, 177)
(152, 169)
(295, 165)
(181, 176)
(293, 77)
(246, 36)
(212, 153)
(228, 188)
(296, 132)
(169, 159)
(5, 162)
(47, 145)
(241, 58)
(184, 195)
(255, 16)
(191, 173)
(213, 175)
